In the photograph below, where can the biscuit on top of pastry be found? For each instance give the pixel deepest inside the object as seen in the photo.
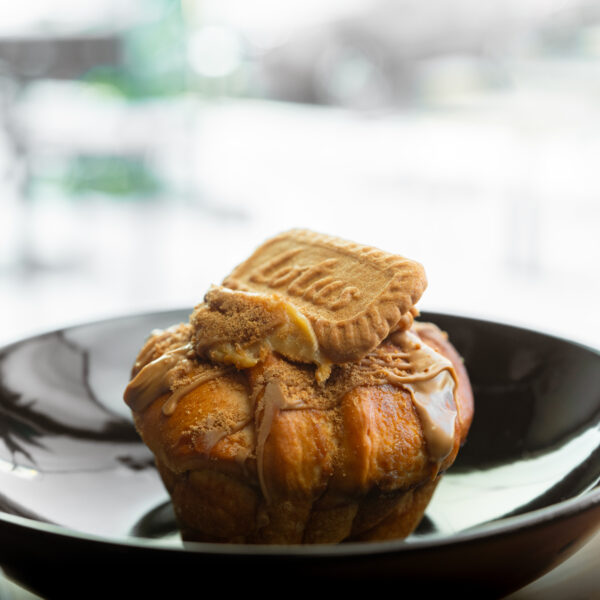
(302, 403)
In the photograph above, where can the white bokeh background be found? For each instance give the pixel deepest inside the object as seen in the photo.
(503, 213)
(464, 136)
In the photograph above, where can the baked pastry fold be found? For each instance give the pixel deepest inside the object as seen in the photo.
(261, 436)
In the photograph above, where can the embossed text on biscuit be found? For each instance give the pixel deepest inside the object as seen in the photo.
(314, 283)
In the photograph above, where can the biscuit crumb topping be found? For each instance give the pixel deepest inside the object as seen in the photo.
(243, 328)
(240, 328)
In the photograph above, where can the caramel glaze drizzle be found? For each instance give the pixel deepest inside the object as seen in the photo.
(431, 380)
(274, 400)
(197, 380)
(154, 379)
(427, 375)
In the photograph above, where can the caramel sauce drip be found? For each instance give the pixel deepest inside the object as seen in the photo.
(152, 380)
(403, 360)
(174, 371)
(184, 389)
(431, 380)
(273, 400)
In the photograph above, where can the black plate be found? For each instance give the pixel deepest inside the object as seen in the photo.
(81, 500)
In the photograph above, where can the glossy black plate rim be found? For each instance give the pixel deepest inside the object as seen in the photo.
(561, 510)
(564, 509)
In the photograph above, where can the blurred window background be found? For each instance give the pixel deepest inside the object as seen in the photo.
(148, 146)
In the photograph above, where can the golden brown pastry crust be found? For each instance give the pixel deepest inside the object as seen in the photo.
(267, 455)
